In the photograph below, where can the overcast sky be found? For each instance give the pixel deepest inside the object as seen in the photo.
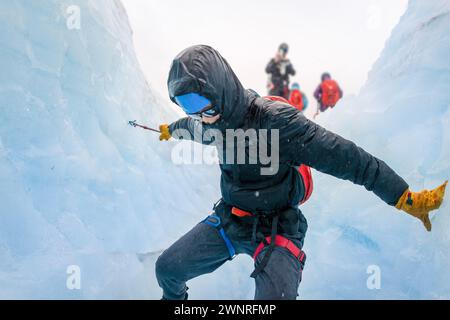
(344, 37)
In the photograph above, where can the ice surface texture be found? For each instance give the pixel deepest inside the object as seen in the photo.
(80, 187)
(401, 115)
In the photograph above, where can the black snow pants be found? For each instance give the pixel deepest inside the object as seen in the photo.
(203, 250)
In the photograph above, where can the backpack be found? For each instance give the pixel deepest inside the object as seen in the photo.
(296, 99)
(304, 171)
(330, 93)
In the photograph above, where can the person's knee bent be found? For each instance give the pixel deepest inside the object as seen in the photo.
(165, 267)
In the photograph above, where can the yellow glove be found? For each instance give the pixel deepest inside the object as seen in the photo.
(165, 133)
(419, 204)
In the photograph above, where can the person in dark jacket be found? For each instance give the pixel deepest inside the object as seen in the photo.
(259, 214)
(279, 70)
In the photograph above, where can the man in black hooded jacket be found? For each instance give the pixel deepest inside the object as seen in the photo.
(279, 69)
(258, 214)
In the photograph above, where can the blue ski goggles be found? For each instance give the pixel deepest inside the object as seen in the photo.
(196, 105)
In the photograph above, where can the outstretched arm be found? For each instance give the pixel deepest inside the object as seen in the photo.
(187, 129)
(308, 143)
(331, 154)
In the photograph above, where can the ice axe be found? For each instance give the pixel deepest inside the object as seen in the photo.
(136, 125)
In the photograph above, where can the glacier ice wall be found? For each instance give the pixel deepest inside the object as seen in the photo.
(402, 115)
(78, 185)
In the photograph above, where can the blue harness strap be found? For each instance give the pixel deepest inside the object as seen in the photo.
(214, 221)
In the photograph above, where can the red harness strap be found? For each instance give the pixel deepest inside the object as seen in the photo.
(240, 213)
(280, 241)
(283, 242)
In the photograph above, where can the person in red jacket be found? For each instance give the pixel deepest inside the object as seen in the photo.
(297, 98)
(328, 93)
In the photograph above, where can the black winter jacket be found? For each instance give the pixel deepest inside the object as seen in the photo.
(280, 72)
(201, 69)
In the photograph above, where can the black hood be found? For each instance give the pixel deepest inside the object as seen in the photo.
(201, 69)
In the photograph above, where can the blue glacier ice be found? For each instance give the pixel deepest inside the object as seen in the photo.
(401, 115)
(78, 186)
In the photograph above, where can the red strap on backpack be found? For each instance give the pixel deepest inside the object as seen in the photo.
(305, 171)
(308, 183)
